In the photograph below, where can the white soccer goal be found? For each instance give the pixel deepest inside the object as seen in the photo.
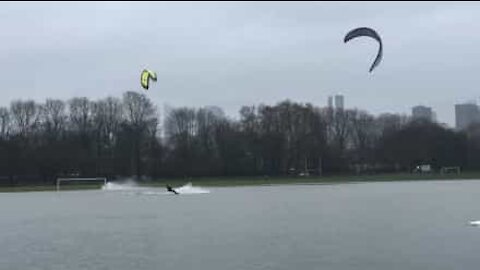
(96, 179)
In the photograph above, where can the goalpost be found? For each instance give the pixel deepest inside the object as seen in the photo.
(59, 180)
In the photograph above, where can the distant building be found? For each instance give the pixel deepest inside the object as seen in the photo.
(330, 102)
(422, 112)
(465, 115)
(339, 102)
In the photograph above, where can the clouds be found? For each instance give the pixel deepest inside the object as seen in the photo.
(236, 53)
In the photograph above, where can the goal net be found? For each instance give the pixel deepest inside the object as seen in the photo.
(81, 179)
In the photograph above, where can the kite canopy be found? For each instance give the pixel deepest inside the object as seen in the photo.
(367, 32)
(146, 76)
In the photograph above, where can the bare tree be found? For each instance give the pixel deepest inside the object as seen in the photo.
(340, 128)
(139, 110)
(4, 122)
(388, 123)
(115, 136)
(141, 124)
(181, 122)
(80, 115)
(114, 116)
(363, 130)
(207, 120)
(54, 117)
(364, 137)
(25, 116)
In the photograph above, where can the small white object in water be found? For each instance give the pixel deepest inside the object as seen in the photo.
(475, 223)
(128, 186)
(189, 189)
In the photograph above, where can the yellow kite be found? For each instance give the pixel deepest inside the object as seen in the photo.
(147, 75)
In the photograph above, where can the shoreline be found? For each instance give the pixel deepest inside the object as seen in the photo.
(261, 181)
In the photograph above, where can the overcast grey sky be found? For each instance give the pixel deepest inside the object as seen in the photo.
(240, 53)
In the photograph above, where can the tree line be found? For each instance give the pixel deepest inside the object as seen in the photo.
(118, 137)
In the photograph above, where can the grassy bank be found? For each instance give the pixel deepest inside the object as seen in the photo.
(252, 181)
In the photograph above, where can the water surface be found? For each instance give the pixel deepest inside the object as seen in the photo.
(391, 225)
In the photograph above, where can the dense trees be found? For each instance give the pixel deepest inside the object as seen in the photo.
(121, 137)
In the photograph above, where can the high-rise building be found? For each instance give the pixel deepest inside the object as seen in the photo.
(465, 115)
(422, 112)
(330, 102)
(339, 101)
(434, 116)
